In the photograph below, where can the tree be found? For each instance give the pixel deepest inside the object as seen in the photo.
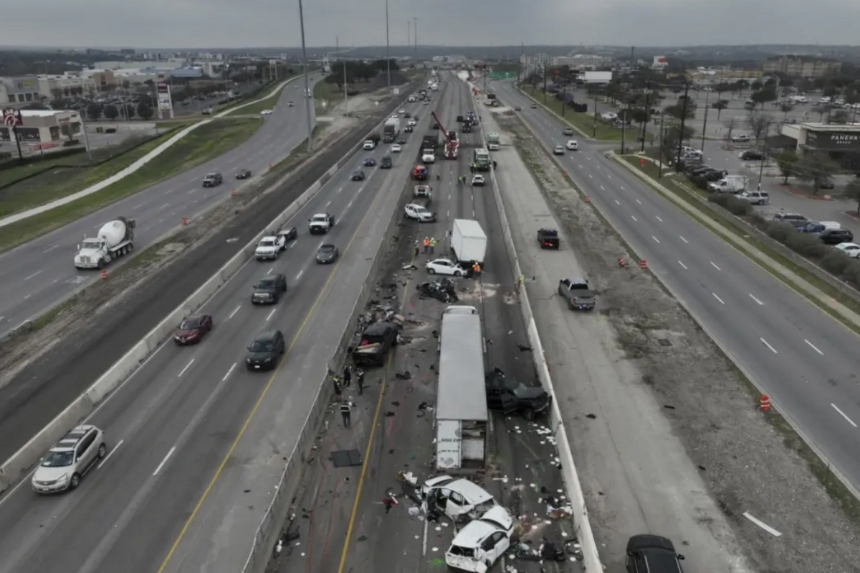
(756, 85)
(758, 125)
(785, 107)
(680, 111)
(787, 161)
(763, 96)
(829, 91)
(58, 104)
(111, 112)
(816, 170)
(822, 109)
(840, 117)
(144, 111)
(94, 111)
(670, 140)
(730, 124)
(640, 115)
(129, 111)
(852, 191)
(720, 106)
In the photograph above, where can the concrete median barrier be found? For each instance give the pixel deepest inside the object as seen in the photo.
(19, 464)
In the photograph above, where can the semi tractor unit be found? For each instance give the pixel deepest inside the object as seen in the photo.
(390, 130)
(113, 240)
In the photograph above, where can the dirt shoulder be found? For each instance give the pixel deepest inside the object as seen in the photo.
(747, 464)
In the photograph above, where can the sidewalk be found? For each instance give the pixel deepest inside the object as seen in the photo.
(125, 172)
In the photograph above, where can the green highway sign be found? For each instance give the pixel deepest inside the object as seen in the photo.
(502, 75)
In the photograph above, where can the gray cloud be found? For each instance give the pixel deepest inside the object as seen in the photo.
(242, 23)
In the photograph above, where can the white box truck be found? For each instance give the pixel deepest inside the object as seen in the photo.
(468, 241)
(114, 240)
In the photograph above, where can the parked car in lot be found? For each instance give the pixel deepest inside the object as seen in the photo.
(265, 350)
(751, 155)
(755, 197)
(791, 218)
(193, 329)
(741, 138)
(70, 460)
(850, 249)
(836, 236)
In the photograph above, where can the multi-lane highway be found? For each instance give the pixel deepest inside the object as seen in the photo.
(197, 442)
(803, 358)
(40, 273)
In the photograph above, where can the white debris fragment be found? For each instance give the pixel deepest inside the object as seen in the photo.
(410, 477)
(438, 528)
(435, 549)
(444, 524)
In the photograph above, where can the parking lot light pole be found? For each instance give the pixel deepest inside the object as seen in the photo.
(307, 85)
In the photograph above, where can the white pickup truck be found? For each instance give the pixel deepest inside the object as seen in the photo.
(270, 247)
(320, 223)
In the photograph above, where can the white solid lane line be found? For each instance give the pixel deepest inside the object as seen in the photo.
(715, 266)
(229, 372)
(164, 461)
(270, 314)
(683, 265)
(768, 345)
(812, 346)
(110, 453)
(850, 421)
(757, 300)
(655, 238)
(683, 239)
(232, 314)
(49, 250)
(718, 298)
(187, 366)
(763, 525)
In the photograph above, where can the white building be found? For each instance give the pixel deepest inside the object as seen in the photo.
(573, 61)
(43, 129)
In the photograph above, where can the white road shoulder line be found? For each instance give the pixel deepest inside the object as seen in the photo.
(164, 461)
(110, 453)
(849, 420)
(763, 525)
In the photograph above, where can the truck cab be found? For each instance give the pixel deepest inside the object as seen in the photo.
(428, 156)
(577, 294)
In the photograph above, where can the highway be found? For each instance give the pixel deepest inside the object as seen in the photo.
(196, 441)
(800, 356)
(404, 436)
(39, 274)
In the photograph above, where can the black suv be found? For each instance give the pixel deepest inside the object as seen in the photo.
(836, 236)
(751, 154)
(510, 396)
(269, 289)
(264, 352)
(652, 554)
(212, 179)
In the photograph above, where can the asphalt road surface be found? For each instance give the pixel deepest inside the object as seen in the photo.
(39, 274)
(522, 471)
(800, 356)
(174, 421)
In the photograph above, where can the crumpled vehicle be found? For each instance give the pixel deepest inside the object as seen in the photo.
(442, 290)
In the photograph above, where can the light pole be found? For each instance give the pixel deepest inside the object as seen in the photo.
(387, 45)
(415, 36)
(307, 84)
(705, 123)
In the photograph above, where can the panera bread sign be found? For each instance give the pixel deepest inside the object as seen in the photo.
(833, 141)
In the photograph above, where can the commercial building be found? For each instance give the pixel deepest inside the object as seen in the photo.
(823, 138)
(801, 66)
(573, 61)
(43, 129)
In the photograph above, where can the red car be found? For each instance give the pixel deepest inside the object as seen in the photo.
(193, 329)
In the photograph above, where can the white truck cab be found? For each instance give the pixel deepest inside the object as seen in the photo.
(270, 247)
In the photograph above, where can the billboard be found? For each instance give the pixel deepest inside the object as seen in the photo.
(596, 77)
(833, 140)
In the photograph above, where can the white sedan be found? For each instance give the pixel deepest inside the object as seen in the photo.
(396, 148)
(572, 145)
(266, 112)
(558, 150)
(443, 267)
(850, 249)
(477, 180)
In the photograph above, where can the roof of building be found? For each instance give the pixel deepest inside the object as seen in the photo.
(802, 58)
(41, 112)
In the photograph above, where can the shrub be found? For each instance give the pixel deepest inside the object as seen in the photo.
(699, 182)
(835, 262)
(758, 221)
(5, 155)
(732, 204)
(806, 245)
(780, 231)
(851, 274)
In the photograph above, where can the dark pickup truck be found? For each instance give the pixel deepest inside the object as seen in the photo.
(511, 396)
(548, 239)
(577, 294)
(374, 344)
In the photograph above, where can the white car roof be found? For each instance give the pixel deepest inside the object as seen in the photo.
(473, 493)
(496, 519)
(848, 246)
(268, 239)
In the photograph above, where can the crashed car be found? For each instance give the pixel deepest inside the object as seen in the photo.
(458, 498)
(481, 542)
(374, 344)
(510, 396)
(442, 290)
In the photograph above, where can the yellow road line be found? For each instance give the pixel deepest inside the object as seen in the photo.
(369, 444)
(259, 401)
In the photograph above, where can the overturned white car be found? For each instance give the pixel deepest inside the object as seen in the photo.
(459, 499)
(480, 543)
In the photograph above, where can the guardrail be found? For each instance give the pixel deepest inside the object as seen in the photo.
(573, 488)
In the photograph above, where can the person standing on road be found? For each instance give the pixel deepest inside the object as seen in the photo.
(389, 502)
(417, 250)
(359, 378)
(347, 376)
(346, 412)
(338, 389)
(426, 245)
(476, 269)
(432, 245)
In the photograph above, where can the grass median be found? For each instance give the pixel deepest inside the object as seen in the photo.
(326, 97)
(581, 121)
(268, 99)
(699, 211)
(199, 146)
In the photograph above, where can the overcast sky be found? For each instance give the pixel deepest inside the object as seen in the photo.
(264, 23)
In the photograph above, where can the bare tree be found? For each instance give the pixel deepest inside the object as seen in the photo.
(786, 107)
(758, 125)
(730, 124)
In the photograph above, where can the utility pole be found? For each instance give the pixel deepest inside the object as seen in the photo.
(544, 82)
(415, 36)
(623, 125)
(662, 117)
(705, 123)
(520, 67)
(763, 156)
(594, 129)
(387, 45)
(563, 100)
(408, 35)
(647, 111)
(683, 118)
(308, 109)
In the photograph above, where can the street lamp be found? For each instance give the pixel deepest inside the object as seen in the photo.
(387, 45)
(307, 85)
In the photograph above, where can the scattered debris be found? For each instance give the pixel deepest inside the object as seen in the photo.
(405, 375)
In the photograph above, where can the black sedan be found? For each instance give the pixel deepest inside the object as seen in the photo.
(327, 254)
(369, 162)
(264, 352)
(401, 140)
(358, 176)
(243, 174)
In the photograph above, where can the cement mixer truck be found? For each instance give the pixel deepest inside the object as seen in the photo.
(114, 240)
